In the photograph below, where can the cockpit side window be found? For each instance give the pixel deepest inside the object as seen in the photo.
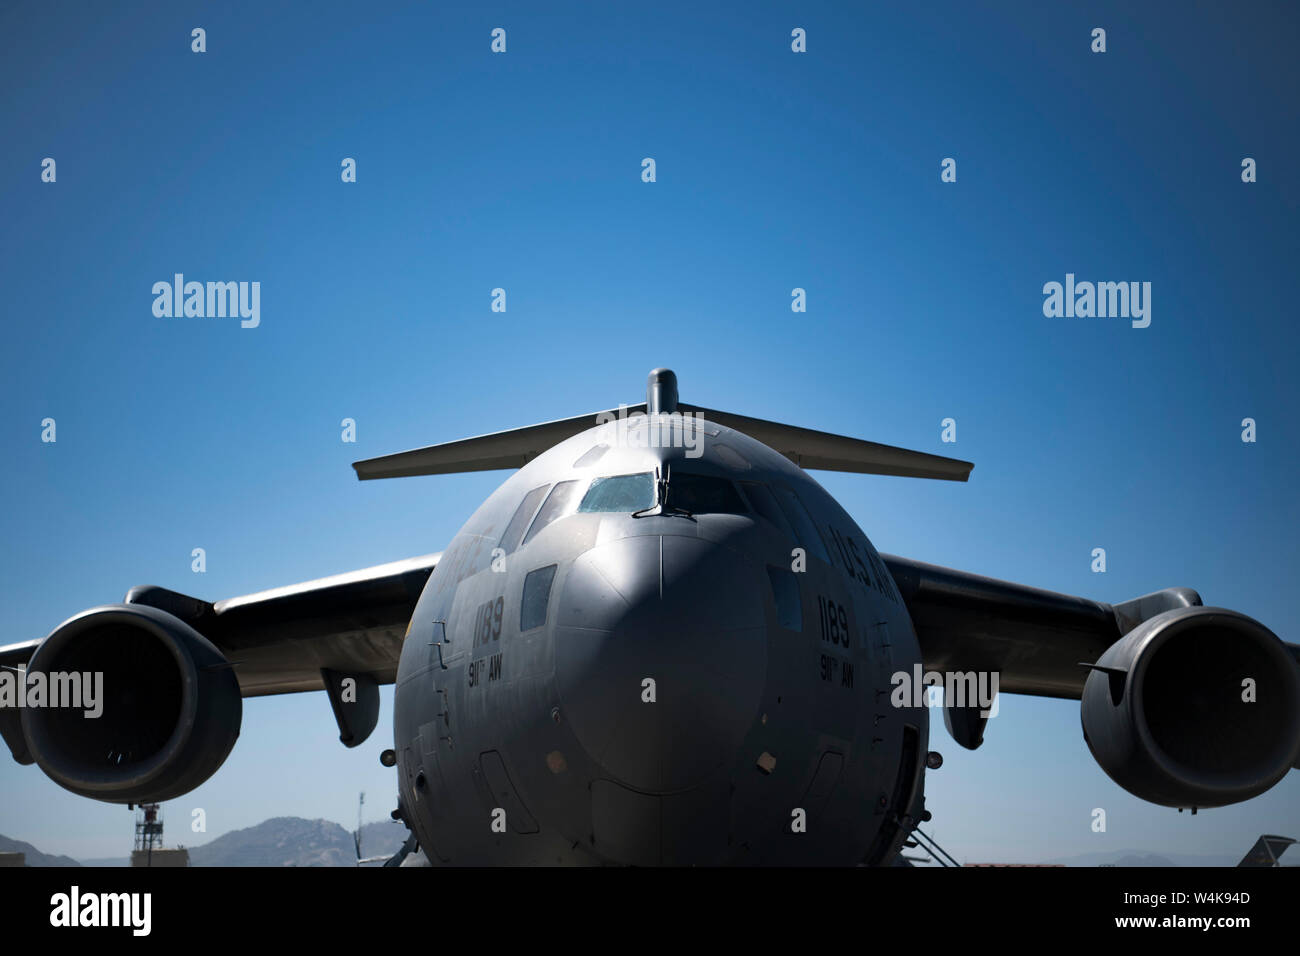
(703, 494)
(730, 457)
(523, 514)
(764, 503)
(556, 506)
(620, 493)
(591, 455)
(805, 529)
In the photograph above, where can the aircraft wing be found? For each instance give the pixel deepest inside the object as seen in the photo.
(1035, 639)
(281, 640)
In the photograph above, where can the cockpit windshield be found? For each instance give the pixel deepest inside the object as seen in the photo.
(620, 493)
(688, 494)
(703, 494)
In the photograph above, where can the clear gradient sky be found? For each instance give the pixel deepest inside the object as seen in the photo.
(775, 170)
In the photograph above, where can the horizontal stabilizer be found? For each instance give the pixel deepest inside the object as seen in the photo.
(823, 451)
(509, 449)
(803, 446)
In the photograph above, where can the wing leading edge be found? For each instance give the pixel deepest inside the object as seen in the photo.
(1035, 639)
(282, 640)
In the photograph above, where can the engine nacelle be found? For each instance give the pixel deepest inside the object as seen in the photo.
(1169, 715)
(171, 707)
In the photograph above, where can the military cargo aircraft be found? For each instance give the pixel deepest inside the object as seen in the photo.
(660, 641)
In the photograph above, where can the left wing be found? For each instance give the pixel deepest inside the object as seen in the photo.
(304, 637)
(280, 640)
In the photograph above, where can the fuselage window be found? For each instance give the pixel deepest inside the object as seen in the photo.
(556, 506)
(703, 494)
(523, 514)
(785, 591)
(620, 493)
(537, 597)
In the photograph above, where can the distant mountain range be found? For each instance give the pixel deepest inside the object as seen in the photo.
(34, 856)
(1149, 859)
(280, 841)
(293, 841)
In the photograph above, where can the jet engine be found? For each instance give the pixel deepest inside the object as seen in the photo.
(1195, 707)
(170, 708)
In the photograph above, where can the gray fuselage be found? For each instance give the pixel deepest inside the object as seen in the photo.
(702, 688)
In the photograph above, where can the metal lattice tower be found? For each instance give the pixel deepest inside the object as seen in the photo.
(148, 828)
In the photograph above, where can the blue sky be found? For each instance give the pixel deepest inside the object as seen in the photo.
(775, 170)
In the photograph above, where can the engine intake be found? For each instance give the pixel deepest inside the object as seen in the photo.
(1167, 714)
(171, 707)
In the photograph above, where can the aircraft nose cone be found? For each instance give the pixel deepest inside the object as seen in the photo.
(661, 657)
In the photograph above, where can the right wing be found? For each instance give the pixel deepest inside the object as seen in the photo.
(1036, 640)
